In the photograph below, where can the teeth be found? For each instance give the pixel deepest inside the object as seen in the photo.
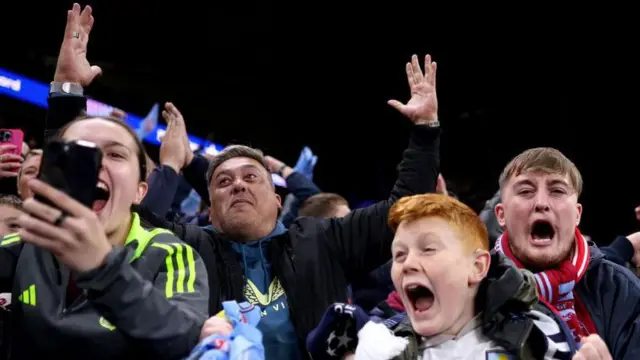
(412, 287)
(102, 185)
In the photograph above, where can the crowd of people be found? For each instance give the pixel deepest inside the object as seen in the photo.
(198, 257)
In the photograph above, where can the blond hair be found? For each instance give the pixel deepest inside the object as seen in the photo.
(543, 160)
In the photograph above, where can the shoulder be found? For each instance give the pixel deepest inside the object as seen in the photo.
(12, 243)
(156, 242)
(10, 239)
(165, 244)
(607, 274)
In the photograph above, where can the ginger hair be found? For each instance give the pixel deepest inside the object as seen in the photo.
(461, 217)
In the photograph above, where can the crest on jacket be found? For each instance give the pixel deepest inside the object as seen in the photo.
(255, 297)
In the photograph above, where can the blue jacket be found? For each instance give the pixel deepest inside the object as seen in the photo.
(611, 294)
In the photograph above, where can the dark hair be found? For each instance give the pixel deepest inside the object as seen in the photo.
(142, 154)
(322, 205)
(235, 151)
(11, 200)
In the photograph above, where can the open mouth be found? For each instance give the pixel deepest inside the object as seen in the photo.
(101, 197)
(421, 297)
(542, 231)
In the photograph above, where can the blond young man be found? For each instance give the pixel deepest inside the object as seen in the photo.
(540, 213)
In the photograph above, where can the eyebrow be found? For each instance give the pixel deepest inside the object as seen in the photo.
(111, 143)
(550, 182)
(558, 182)
(228, 171)
(422, 238)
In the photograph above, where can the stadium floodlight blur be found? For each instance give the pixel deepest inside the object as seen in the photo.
(32, 91)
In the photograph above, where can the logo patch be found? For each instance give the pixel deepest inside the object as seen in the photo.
(105, 324)
(499, 355)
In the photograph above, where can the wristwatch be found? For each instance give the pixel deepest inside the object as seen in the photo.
(433, 124)
(68, 88)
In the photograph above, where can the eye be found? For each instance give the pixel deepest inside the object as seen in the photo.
(525, 192)
(251, 177)
(428, 250)
(115, 155)
(399, 256)
(224, 182)
(14, 226)
(558, 191)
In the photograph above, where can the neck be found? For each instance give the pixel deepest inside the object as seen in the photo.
(467, 315)
(257, 234)
(119, 236)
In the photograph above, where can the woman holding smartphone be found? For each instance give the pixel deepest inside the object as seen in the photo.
(94, 282)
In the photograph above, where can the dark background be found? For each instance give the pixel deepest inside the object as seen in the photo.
(281, 76)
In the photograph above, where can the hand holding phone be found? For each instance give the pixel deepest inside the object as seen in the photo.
(10, 152)
(73, 168)
(13, 137)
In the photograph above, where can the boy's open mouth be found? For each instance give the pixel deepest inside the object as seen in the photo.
(420, 296)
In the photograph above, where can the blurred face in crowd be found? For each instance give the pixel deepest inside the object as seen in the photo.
(8, 216)
(436, 272)
(540, 211)
(244, 204)
(119, 177)
(29, 170)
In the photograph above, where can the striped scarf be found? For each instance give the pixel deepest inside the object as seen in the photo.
(556, 286)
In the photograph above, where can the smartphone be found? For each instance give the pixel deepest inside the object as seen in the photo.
(73, 168)
(13, 137)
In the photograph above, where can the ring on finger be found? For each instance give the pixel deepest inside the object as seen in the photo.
(60, 219)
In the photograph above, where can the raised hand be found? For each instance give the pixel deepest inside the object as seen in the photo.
(175, 150)
(422, 108)
(73, 65)
(9, 163)
(278, 167)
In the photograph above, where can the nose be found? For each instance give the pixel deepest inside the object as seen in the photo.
(411, 263)
(542, 202)
(239, 186)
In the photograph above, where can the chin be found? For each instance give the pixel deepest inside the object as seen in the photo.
(426, 328)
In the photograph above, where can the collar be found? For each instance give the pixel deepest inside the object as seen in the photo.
(472, 325)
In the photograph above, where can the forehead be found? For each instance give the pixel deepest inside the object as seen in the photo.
(101, 132)
(237, 163)
(539, 178)
(430, 229)
(7, 211)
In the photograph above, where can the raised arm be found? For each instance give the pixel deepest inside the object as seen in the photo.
(361, 241)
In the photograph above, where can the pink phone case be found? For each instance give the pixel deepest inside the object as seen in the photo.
(14, 137)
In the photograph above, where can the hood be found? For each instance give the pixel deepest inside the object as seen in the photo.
(506, 289)
(255, 264)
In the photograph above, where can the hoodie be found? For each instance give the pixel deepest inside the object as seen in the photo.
(261, 289)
